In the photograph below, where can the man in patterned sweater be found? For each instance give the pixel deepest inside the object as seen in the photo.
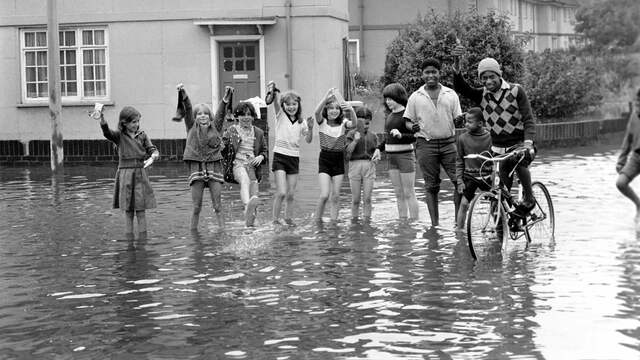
(507, 111)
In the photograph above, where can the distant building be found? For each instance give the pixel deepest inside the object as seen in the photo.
(135, 52)
(373, 24)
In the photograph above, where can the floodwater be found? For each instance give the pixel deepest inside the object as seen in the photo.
(72, 287)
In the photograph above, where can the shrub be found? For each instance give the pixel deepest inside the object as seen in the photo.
(434, 35)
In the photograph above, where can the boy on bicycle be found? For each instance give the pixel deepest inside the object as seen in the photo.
(628, 165)
(508, 113)
(472, 174)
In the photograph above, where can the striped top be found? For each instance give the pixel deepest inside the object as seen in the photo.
(288, 134)
(332, 138)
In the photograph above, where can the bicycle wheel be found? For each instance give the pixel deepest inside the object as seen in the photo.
(484, 227)
(541, 221)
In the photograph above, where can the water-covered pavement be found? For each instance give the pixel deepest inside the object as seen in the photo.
(72, 287)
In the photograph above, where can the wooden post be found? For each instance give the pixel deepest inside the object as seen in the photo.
(55, 101)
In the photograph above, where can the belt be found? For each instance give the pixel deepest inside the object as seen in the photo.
(130, 163)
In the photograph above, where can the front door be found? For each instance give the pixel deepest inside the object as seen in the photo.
(239, 67)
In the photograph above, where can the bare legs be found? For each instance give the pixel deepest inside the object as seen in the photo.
(367, 188)
(403, 186)
(142, 222)
(622, 183)
(197, 191)
(329, 191)
(285, 188)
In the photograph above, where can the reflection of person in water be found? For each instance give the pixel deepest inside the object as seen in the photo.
(135, 327)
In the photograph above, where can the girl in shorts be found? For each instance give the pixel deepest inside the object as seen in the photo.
(289, 128)
(332, 124)
(399, 146)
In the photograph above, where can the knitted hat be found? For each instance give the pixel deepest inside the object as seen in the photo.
(489, 64)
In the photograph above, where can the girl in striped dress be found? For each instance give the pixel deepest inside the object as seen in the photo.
(331, 115)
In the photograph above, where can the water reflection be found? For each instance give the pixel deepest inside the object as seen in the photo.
(73, 286)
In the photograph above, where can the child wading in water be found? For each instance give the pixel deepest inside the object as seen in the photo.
(363, 156)
(251, 152)
(202, 152)
(472, 174)
(289, 128)
(628, 165)
(399, 144)
(330, 115)
(133, 192)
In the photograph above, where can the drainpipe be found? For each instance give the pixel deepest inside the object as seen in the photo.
(361, 28)
(289, 46)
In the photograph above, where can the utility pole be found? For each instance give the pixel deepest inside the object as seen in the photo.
(55, 101)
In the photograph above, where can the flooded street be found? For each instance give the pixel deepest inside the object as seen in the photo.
(72, 287)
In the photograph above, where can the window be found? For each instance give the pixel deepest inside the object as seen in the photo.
(83, 64)
(554, 14)
(554, 42)
(354, 55)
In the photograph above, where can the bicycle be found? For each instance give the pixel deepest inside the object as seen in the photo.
(491, 220)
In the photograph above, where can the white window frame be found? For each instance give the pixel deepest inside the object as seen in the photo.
(79, 63)
(357, 45)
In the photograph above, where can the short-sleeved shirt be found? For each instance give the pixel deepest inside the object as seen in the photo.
(288, 134)
(436, 120)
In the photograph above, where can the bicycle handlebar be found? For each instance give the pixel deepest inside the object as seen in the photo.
(497, 158)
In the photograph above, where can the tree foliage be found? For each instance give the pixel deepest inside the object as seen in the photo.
(560, 84)
(434, 35)
(611, 23)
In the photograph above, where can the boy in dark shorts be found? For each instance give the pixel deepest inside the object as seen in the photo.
(472, 174)
(628, 165)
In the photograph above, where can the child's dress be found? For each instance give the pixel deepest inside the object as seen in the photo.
(132, 191)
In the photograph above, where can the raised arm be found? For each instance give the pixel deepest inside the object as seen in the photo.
(273, 96)
(307, 131)
(318, 112)
(221, 111)
(111, 135)
(184, 105)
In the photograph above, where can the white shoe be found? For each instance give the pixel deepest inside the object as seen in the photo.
(250, 212)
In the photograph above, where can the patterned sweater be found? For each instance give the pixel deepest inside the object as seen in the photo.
(507, 111)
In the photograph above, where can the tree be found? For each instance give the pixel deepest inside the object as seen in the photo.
(611, 23)
(434, 35)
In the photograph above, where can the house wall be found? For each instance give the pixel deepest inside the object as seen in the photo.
(153, 45)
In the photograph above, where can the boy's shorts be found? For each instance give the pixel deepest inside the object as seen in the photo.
(289, 164)
(331, 163)
(362, 170)
(632, 167)
(471, 184)
(405, 162)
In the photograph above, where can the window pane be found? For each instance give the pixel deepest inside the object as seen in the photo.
(61, 38)
(42, 58)
(87, 56)
(101, 88)
(101, 72)
(228, 65)
(42, 74)
(99, 37)
(42, 89)
(72, 89)
(88, 73)
(239, 51)
(251, 51)
(100, 56)
(41, 38)
(31, 90)
(63, 88)
(29, 39)
(31, 74)
(87, 37)
(71, 72)
(62, 58)
(89, 89)
(227, 52)
(30, 58)
(71, 57)
(70, 38)
(251, 65)
(239, 65)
